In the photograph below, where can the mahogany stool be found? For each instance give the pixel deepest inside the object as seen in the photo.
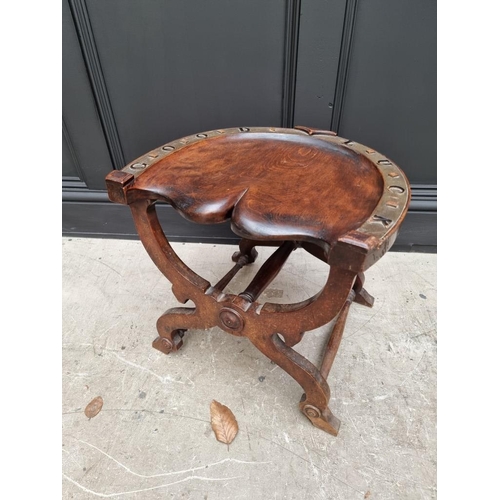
(339, 200)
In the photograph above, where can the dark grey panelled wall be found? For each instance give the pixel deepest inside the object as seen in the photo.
(177, 67)
(137, 74)
(389, 98)
(85, 154)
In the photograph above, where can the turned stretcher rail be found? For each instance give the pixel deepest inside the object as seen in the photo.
(223, 282)
(268, 271)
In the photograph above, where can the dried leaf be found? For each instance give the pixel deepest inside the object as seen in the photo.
(94, 407)
(223, 422)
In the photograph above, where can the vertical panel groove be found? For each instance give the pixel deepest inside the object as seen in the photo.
(96, 76)
(290, 69)
(72, 152)
(345, 52)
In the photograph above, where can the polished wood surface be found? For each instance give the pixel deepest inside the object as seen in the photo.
(277, 184)
(280, 186)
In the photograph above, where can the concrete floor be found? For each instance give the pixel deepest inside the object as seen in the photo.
(153, 438)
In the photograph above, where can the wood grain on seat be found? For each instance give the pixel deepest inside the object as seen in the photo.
(272, 185)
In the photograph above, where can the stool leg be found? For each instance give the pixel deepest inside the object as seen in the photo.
(186, 284)
(171, 327)
(247, 247)
(362, 296)
(314, 403)
(333, 344)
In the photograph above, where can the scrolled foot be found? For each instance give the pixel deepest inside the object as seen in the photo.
(249, 257)
(247, 252)
(364, 298)
(172, 325)
(322, 419)
(171, 342)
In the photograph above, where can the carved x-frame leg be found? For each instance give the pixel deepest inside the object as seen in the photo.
(186, 284)
(289, 321)
(314, 403)
(265, 325)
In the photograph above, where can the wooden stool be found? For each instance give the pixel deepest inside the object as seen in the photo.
(339, 200)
